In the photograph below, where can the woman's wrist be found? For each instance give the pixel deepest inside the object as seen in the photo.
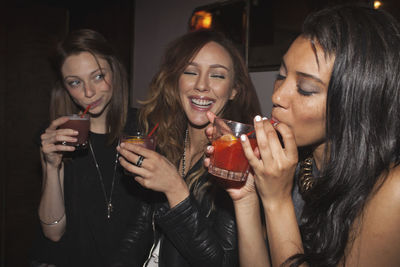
(178, 194)
(248, 200)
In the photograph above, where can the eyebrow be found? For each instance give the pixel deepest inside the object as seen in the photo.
(102, 70)
(213, 66)
(305, 75)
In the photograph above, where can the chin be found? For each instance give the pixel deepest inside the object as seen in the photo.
(199, 123)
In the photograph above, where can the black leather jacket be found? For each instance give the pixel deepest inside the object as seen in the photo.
(191, 234)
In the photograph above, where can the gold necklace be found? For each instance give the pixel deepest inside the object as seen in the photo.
(306, 179)
(109, 205)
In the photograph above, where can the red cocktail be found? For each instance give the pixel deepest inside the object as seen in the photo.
(228, 160)
(80, 123)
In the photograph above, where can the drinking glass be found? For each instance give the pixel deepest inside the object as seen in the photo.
(228, 160)
(139, 138)
(80, 123)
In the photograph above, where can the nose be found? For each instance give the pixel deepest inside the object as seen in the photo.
(89, 90)
(280, 96)
(202, 83)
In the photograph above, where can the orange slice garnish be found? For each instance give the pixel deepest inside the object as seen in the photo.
(228, 137)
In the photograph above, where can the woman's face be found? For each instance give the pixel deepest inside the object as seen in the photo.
(207, 83)
(300, 92)
(88, 82)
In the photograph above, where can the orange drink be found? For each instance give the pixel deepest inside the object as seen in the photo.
(228, 160)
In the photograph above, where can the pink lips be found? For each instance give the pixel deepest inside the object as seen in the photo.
(95, 103)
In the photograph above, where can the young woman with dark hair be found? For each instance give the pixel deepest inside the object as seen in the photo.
(201, 71)
(87, 203)
(336, 100)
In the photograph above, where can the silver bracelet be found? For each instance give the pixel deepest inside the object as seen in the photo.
(52, 223)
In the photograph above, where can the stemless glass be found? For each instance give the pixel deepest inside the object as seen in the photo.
(228, 160)
(80, 123)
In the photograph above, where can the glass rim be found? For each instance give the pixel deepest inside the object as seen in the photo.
(232, 121)
(78, 116)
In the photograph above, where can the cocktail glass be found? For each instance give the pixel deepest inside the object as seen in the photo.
(228, 160)
(80, 123)
(139, 138)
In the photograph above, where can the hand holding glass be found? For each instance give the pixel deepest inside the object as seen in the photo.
(139, 138)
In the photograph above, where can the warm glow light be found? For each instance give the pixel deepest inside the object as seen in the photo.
(201, 20)
(377, 4)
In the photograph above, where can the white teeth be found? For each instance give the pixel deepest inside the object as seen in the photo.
(201, 102)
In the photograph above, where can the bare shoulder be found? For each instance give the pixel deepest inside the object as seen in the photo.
(385, 201)
(377, 232)
(390, 190)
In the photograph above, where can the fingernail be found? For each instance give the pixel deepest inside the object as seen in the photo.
(209, 148)
(122, 144)
(265, 118)
(243, 137)
(258, 118)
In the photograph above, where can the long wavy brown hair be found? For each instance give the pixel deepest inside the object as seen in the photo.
(61, 103)
(163, 104)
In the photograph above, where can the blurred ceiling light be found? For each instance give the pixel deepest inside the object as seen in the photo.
(377, 4)
(201, 20)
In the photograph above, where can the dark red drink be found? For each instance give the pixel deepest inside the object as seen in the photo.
(80, 124)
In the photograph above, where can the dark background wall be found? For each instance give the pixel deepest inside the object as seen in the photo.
(28, 32)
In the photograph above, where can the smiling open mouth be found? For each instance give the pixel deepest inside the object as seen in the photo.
(202, 102)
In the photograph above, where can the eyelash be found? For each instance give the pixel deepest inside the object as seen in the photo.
(280, 77)
(100, 76)
(189, 73)
(213, 75)
(74, 84)
(302, 92)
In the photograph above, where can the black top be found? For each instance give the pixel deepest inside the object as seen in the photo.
(91, 239)
(195, 234)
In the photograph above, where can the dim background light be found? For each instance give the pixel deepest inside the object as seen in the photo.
(201, 20)
(377, 4)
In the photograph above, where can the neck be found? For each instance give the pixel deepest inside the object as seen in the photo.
(197, 140)
(318, 155)
(98, 124)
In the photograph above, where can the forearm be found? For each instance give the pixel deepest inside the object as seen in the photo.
(283, 231)
(252, 248)
(51, 207)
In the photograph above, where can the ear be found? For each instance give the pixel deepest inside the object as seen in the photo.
(233, 93)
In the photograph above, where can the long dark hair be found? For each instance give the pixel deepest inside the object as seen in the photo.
(163, 104)
(86, 40)
(362, 125)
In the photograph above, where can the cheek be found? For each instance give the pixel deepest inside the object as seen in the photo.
(310, 125)
(75, 94)
(222, 91)
(185, 85)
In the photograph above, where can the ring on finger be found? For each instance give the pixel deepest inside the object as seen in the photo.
(139, 161)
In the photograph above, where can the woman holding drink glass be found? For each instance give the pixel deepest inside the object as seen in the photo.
(195, 226)
(337, 100)
(87, 204)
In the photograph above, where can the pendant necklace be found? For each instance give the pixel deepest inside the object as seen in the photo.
(109, 205)
(184, 153)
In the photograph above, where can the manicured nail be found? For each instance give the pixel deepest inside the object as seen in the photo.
(265, 118)
(258, 118)
(243, 137)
